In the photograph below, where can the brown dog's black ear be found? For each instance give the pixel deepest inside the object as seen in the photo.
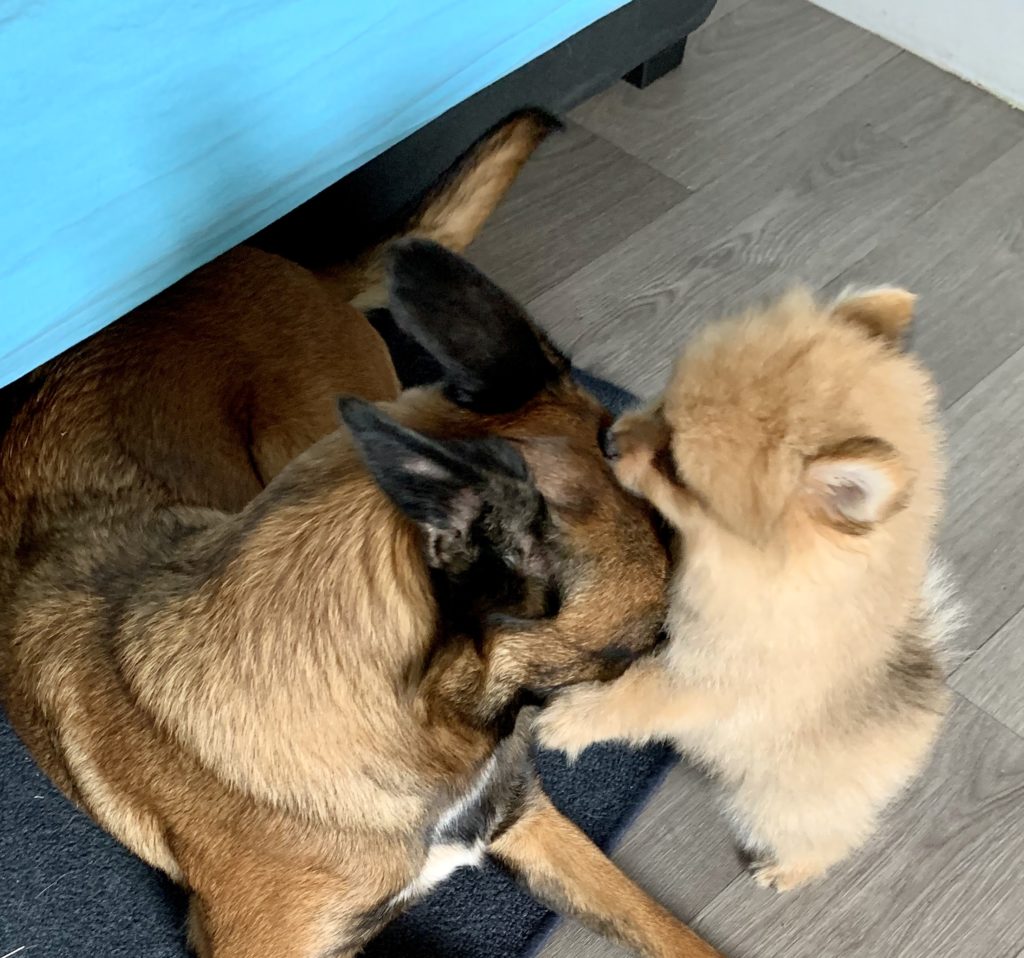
(885, 311)
(492, 356)
(474, 499)
(858, 483)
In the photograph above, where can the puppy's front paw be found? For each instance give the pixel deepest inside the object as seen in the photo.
(566, 723)
(635, 439)
(784, 877)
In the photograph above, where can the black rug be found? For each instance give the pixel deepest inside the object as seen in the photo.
(67, 890)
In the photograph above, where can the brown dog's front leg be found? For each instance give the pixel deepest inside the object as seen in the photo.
(566, 871)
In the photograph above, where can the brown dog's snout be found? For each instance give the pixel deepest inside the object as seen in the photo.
(615, 659)
(644, 635)
(606, 441)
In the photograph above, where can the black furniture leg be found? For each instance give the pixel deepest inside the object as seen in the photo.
(657, 66)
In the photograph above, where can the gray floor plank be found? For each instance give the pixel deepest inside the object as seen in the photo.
(575, 199)
(993, 678)
(747, 77)
(943, 880)
(678, 849)
(965, 259)
(985, 510)
(842, 181)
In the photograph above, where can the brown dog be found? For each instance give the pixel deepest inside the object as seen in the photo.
(798, 453)
(299, 701)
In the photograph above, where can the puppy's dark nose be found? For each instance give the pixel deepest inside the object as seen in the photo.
(606, 440)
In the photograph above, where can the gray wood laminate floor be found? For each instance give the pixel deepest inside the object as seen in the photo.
(791, 145)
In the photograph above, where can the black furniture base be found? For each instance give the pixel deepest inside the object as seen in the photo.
(640, 41)
(665, 61)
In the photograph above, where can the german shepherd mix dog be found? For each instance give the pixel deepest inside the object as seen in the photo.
(292, 684)
(797, 452)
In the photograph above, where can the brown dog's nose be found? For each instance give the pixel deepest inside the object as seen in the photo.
(606, 440)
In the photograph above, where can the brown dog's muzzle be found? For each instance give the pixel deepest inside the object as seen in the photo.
(606, 441)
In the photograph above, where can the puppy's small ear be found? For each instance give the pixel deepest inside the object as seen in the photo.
(493, 358)
(856, 484)
(885, 311)
(462, 493)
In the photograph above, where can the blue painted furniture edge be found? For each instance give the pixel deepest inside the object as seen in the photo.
(142, 139)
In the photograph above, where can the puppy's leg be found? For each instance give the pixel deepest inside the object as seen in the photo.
(645, 704)
(798, 843)
(808, 810)
(797, 869)
(566, 871)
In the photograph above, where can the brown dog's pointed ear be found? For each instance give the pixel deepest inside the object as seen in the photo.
(885, 311)
(493, 359)
(468, 496)
(856, 484)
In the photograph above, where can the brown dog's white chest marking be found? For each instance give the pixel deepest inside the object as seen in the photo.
(446, 853)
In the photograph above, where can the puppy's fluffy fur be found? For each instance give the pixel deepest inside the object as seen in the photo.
(796, 450)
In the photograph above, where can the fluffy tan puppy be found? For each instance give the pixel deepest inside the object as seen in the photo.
(796, 451)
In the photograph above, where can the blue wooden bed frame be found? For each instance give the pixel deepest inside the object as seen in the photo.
(141, 138)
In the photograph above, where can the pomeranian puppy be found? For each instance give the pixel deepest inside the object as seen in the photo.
(797, 453)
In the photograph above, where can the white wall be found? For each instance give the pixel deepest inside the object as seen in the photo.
(979, 40)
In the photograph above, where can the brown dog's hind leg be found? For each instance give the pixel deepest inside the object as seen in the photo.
(455, 209)
(296, 916)
(198, 940)
(569, 873)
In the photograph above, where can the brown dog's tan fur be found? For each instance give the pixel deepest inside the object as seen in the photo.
(797, 451)
(235, 660)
